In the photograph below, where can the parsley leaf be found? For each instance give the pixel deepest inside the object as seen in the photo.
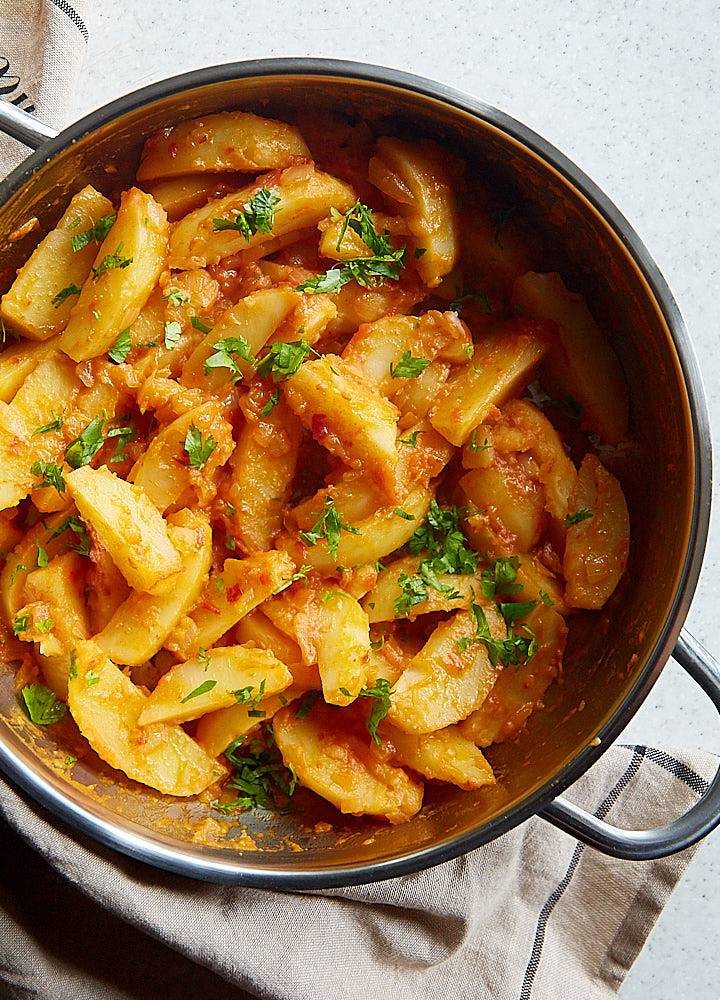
(51, 476)
(518, 609)
(64, 293)
(499, 576)
(42, 556)
(474, 446)
(300, 575)
(283, 359)
(260, 774)
(271, 403)
(578, 516)
(404, 514)
(110, 262)
(124, 435)
(380, 693)
(546, 599)
(383, 262)
(121, 348)
(306, 703)
(515, 649)
(54, 425)
(200, 689)
(198, 452)
(175, 297)
(447, 547)
(83, 544)
(173, 332)
(46, 625)
(83, 449)
(411, 442)
(223, 357)
(256, 216)
(329, 525)
(21, 624)
(198, 324)
(42, 706)
(408, 366)
(96, 233)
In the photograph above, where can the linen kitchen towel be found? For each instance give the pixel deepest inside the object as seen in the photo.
(531, 916)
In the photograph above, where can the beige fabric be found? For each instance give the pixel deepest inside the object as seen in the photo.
(42, 47)
(531, 916)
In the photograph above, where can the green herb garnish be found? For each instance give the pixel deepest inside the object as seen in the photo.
(95, 234)
(42, 706)
(110, 262)
(408, 366)
(329, 525)
(256, 216)
(121, 348)
(50, 474)
(83, 449)
(64, 293)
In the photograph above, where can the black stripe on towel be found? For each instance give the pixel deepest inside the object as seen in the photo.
(557, 893)
(65, 7)
(681, 771)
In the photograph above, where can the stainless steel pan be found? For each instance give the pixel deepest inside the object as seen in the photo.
(613, 657)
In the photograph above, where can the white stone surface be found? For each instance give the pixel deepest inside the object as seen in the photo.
(629, 90)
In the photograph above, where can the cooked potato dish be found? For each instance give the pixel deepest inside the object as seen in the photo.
(301, 469)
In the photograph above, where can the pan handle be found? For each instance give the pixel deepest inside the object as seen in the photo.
(22, 126)
(698, 821)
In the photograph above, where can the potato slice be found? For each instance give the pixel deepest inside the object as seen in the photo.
(229, 140)
(445, 755)
(18, 360)
(255, 318)
(376, 348)
(306, 196)
(511, 498)
(380, 533)
(111, 301)
(503, 363)
(380, 602)
(596, 549)
(129, 526)
(518, 691)
(106, 706)
(217, 679)
(227, 597)
(339, 762)
(142, 623)
(586, 367)
(347, 415)
(161, 472)
(186, 192)
(338, 629)
(442, 685)
(415, 176)
(217, 730)
(263, 466)
(31, 307)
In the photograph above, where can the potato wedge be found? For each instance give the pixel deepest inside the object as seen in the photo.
(142, 623)
(347, 415)
(240, 587)
(229, 140)
(586, 367)
(113, 295)
(442, 685)
(596, 548)
(36, 306)
(106, 706)
(217, 730)
(415, 176)
(503, 363)
(221, 677)
(445, 755)
(338, 629)
(340, 763)
(128, 525)
(306, 196)
(18, 360)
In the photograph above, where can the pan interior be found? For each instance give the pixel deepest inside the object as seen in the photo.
(607, 652)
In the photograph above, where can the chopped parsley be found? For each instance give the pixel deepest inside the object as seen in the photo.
(411, 441)
(83, 449)
(404, 514)
(46, 625)
(329, 525)
(21, 624)
(474, 446)
(224, 356)
(124, 435)
(20, 568)
(50, 476)
(198, 324)
(260, 775)
(83, 544)
(300, 575)
(42, 706)
(54, 425)
(283, 359)
(64, 293)
(200, 689)
(204, 658)
(175, 297)
(457, 304)
(173, 332)
(95, 234)
(499, 576)
(197, 451)
(578, 516)
(271, 403)
(546, 599)
(380, 693)
(91, 678)
(408, 366)
(306, 703)
(383, 262)
(121, 348)
(514, 650)
(42, 556)
(256, 216)
(516, 609)
(110, 262)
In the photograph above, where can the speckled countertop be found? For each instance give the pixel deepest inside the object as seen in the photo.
(627, 90)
